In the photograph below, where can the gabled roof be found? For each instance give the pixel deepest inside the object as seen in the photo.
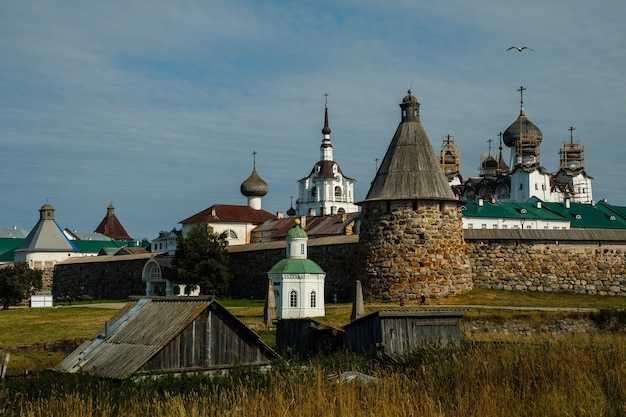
(315, 226)
(227, 213)
(509, 210)
(590, 216)
(144, 328)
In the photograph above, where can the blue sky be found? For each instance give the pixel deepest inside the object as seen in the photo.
(157, 106)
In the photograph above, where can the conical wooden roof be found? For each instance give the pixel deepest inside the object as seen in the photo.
(410, 169)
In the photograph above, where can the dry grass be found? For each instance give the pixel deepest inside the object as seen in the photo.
(573, 377)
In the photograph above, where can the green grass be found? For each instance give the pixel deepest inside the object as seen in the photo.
(31, 327)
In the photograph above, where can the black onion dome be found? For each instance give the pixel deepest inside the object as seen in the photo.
(490, 162)
(254, 186)
(522, 125)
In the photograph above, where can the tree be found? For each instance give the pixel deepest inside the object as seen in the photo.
(201, 260)
(17, 282)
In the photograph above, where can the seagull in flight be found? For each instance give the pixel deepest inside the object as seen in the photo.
(520, 49)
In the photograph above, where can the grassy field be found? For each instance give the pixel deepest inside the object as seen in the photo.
(573, 375)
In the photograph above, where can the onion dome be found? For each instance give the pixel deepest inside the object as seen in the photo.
(254, 186)
(490, 163)
(522, 126)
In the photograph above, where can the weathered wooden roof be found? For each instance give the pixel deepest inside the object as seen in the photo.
(140, 330)
(281, 244)
(410, 169)
(422, 314)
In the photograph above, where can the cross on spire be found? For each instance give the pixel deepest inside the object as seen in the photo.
(521, 97)
(489, 141)
(571, 134)
(254, 160)
(326, 98)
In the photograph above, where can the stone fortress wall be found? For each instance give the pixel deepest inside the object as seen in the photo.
(582, 267)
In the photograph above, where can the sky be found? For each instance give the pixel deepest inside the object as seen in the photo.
(157, 106)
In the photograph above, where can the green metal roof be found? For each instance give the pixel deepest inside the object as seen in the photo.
(580, 216)
(508, 210)
(589, 216)
(297, 232)
(296, 266)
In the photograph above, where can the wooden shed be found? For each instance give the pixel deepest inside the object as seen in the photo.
(398, 333)
(306, 336)
(168, 335)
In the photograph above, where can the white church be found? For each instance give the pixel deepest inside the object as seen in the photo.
(326, 190)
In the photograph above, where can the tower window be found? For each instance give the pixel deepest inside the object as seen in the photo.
(302, 247)
(314, 192)
(293, 298)
(337, 191)
(313, 299)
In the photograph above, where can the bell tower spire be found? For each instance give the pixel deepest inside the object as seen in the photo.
(326, 150)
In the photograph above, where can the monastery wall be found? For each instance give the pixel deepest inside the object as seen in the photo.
(583, 268)
(115, 279)
(574, 268)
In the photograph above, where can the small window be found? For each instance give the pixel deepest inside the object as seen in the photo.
(155, 272)
(470, 226)
(293, 298)
(483, 226)
(337, 191)
(302, 249)
(313, 299)
(314, 192)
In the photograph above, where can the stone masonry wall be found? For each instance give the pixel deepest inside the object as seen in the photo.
(585, 268)
(112, 280)
(413, 248)
(581, 269)
(338, 261)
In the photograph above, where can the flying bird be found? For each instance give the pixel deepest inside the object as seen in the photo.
(520, 49)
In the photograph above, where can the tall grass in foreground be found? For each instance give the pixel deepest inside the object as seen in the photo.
(568, 377)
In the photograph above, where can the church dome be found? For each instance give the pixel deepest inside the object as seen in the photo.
(490, 162)
(254, 186)
(520, 126)
(296, 231)
(409, 98)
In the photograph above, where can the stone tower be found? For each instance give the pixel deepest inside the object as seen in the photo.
(411, 230)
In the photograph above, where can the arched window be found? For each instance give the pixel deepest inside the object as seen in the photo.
(231, 234)
(176, 290)
(313, 299)
(337, 191)
(293, 298)
(314, 192)
(155, 272)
